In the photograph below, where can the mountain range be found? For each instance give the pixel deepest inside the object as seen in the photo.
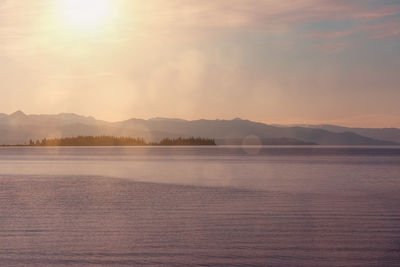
(19, 128)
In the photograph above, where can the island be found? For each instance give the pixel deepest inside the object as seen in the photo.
(120, 141)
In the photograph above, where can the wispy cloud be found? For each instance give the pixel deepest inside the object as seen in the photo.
(275, 18)
(331, 35)
(378, 13)
(384, 30)
(263, 13)
(180, 18)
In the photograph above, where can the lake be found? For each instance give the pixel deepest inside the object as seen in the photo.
(207, 206)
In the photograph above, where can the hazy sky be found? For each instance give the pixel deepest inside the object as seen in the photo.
(275, 61)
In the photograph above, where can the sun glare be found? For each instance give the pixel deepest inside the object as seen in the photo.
(85, 13)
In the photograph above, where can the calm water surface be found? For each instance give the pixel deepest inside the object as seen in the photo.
(208, 206)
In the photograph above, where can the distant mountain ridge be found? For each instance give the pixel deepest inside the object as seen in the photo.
(388, 134)
(19, 128)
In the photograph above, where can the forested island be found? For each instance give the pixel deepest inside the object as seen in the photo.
(121, 141)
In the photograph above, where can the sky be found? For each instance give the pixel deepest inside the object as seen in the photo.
(283, 62)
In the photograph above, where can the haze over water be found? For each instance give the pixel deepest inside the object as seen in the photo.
(179, 72)
(232, 206)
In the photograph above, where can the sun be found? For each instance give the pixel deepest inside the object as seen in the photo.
(85, 14)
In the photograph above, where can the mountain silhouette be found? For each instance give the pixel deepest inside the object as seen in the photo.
(19, 128)
(388, 134)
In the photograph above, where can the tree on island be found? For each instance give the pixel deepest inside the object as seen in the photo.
(187, 142)
(120, 141)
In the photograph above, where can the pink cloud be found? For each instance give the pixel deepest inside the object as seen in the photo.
(201, 19)
(377, 13)
(331, 35)
(270, 16)
(385, 30)
(192, 19)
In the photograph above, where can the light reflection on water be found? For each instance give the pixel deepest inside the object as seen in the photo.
(301, 206)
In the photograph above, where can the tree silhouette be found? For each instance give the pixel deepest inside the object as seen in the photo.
(120, 141)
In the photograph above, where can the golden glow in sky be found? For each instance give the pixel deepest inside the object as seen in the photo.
(85, 14)
(264, 60)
